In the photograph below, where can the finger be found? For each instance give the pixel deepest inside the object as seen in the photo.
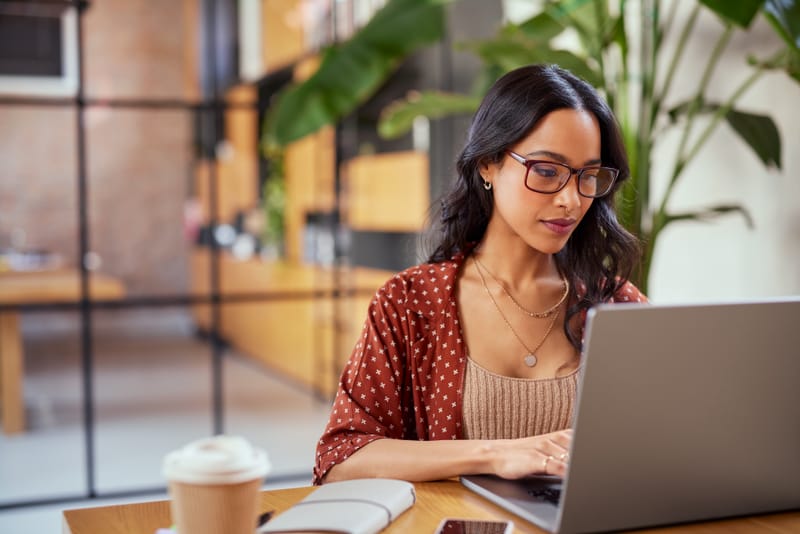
(554, 456)
(552, 465)
(556, 448)
(563, 438)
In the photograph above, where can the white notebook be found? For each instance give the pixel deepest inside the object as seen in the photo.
(361, 506)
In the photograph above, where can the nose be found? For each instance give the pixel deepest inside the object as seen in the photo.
(569, 197)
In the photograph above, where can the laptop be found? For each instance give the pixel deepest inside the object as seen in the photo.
(685, 413)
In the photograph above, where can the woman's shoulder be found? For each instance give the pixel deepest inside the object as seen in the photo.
(428, 275)
(629, 293)
(423, 282)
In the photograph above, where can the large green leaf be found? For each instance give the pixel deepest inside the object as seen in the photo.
(589, 18)
(760, 133)
(511, 52)
(542, 27)
(572, 63)
(581, 15)
(399, 116)
(739, 12)
(352, 71)
(506, 52)
(785, 17)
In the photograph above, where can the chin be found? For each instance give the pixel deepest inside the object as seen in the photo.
(549, 245)
(548, 248)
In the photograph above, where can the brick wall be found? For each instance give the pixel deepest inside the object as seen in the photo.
(138, 160)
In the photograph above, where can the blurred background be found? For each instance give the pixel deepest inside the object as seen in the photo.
(167, 273)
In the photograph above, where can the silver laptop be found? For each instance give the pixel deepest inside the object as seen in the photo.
(685, 413)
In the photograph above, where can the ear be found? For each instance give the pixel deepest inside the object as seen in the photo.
(484, 170)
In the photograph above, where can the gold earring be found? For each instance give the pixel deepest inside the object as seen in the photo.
(487, 185)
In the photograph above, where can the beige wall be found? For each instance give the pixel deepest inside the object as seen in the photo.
(138, 160)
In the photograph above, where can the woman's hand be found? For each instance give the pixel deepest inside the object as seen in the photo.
(547, 454)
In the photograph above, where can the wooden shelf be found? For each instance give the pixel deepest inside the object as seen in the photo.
(387, 192)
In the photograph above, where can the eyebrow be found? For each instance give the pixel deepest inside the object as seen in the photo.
(558, 157)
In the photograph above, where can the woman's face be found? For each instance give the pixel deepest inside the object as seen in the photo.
(544, 221)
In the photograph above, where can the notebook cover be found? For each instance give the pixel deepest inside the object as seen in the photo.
(361, 506)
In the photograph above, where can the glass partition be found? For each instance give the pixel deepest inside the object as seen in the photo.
(44, 456)
(139, 163)
(153, 393)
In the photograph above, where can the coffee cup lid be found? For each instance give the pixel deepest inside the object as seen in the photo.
(216, 460)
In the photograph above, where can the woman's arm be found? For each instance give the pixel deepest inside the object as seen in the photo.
(418, 461)
(369, 403)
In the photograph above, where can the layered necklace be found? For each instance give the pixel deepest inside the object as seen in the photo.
(530, 358)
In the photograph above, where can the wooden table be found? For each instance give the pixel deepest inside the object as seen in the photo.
(435, 500)
(35, 287)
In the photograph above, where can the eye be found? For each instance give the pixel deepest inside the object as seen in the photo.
(546, 170)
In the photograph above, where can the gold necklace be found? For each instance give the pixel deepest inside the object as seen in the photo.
(530, 358)
(538, 315)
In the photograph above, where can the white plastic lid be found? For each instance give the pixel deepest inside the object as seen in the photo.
(216, 460)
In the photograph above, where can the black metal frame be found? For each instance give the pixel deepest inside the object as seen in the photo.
(213, 104)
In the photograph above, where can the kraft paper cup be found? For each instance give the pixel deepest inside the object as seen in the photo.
(214, 485)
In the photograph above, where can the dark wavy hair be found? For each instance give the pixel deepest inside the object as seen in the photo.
(600, 254)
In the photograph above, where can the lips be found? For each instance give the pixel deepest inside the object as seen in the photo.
(560, 226)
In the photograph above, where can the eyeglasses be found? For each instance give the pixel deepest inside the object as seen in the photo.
(551, 177)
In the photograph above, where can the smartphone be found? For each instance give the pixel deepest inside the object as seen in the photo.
(474, 526)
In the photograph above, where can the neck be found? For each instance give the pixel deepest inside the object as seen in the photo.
(517, 266)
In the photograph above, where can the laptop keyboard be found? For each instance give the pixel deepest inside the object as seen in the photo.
(551, 495)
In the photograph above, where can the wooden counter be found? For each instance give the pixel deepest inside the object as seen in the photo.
(435, 501)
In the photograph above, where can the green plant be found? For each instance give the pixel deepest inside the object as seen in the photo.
(607, 57)
(349, 73)
(352, 71)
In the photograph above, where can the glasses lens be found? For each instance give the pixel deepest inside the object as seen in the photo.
(546, 177)
(596, 182)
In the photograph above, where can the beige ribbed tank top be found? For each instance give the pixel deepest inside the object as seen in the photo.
(503, 407)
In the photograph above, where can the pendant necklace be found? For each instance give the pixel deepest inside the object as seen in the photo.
(529, 358)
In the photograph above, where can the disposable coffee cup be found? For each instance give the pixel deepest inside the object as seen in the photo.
(214, 485)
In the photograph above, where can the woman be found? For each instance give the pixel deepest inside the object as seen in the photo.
(468, 363)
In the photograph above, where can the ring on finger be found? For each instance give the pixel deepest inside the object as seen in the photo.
(544, 462)
(563, 456)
